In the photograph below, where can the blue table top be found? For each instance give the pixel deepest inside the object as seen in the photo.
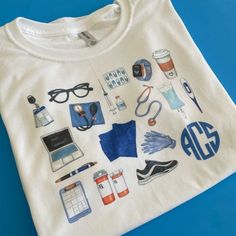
(211, 24)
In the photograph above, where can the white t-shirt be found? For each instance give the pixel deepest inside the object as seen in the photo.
(114, 118)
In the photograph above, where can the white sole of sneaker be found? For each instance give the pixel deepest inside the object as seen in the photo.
(151, 178)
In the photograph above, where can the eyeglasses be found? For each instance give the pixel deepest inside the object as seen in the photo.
(62, 95)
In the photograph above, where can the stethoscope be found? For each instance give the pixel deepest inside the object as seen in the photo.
(93, 111)
(143, 98)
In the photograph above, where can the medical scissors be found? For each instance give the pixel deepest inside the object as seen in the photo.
(142, 99)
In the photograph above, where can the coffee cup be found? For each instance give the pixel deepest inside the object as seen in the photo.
(165, 62)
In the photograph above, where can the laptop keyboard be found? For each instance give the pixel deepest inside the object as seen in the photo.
(64, 152)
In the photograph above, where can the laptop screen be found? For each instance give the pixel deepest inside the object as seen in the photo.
(57, 140)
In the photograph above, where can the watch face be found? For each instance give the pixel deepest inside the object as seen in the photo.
(137, 70)
(142, 70)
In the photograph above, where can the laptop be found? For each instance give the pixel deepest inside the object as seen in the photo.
(61, 148)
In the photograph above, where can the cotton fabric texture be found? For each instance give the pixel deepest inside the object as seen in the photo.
(112, 197)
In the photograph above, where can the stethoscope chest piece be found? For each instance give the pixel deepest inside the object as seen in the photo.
(152, 122)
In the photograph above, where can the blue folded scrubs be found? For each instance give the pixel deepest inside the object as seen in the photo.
(120, 141)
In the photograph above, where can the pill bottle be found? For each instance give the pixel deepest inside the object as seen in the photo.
(119, 183)
(104, 187)
(120, 103)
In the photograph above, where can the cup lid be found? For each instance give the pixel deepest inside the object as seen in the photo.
(161, 53)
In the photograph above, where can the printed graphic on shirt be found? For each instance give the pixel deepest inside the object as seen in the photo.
(201, 140)
(85, 115)
(61, 148)
(77, 171)
(120, 141)
(116, 78)
(165, 62)
(120, 103)
(142, 70)
(62, 95)
(75, 202)
(40, 113)
(119, 183)
(142, 101)
(168, 92)
(154, 169)
(108, 100)
(155, 142)
(187, 88)
(104, 185)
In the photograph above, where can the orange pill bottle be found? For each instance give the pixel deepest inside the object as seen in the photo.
(119, 183)
(104, 187)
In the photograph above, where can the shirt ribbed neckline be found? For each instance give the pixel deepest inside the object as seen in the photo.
(16, 28)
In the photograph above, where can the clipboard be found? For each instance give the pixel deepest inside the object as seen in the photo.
(75, 202)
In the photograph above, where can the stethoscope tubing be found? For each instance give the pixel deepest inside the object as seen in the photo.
(141, 102)
(88, 124)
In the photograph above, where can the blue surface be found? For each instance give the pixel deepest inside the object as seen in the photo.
(211, 24)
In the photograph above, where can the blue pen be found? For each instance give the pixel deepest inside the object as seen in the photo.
(75, 172)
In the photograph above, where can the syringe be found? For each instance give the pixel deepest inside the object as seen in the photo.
(112, 108)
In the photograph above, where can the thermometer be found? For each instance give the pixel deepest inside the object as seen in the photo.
(187, 88)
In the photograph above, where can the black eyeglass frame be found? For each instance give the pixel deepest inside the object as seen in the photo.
(55, 92)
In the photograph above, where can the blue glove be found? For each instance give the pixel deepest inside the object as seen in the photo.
(155, 142)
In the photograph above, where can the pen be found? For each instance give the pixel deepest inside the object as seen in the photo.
(75, 172)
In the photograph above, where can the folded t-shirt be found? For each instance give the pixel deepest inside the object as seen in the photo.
(136, 58)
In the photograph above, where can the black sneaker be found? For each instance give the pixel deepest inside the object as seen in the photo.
(155, 169)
